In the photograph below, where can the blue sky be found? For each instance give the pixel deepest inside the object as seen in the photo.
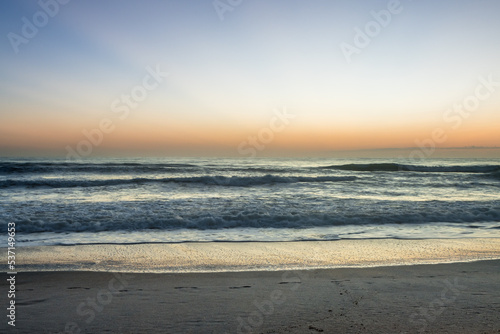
(226, 76)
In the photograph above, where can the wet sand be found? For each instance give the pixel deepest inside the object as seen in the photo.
(439, 298)
(254, 256)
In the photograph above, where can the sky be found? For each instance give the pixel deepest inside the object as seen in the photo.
(247, 77)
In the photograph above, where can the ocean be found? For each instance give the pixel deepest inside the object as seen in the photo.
(176, 200)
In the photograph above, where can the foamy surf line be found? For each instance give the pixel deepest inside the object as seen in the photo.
(254, 256)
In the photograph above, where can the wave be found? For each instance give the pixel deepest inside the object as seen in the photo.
(394, 167)
(133, 216)
(62, 167)
(7, 168)
(494, 175)
(232, 181)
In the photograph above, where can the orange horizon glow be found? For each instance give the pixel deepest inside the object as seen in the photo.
(146, 137)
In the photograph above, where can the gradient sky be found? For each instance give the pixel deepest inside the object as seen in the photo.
(227, 76)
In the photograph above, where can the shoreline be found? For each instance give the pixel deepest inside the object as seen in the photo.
(254, 256)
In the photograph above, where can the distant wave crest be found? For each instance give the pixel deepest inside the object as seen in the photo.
(394, 167)
(7, 168)
(73, 167)
(234, 181)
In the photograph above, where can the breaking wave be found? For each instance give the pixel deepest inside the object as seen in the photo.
(136, 216)
(232, 181)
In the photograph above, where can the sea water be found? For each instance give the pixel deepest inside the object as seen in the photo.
(172, 200)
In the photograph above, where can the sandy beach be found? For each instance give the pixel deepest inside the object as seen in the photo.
(443, 298)
(366, 290)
